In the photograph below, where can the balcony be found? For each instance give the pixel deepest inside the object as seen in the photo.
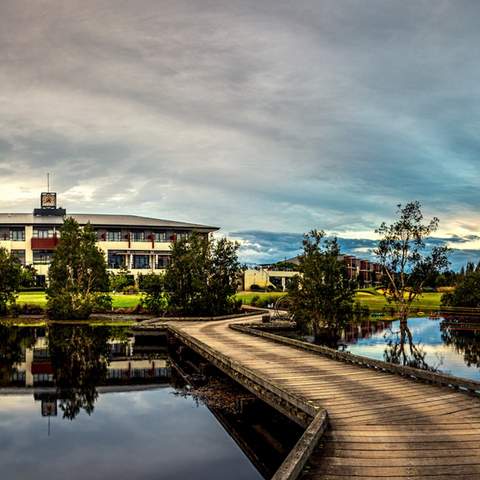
(44, 243)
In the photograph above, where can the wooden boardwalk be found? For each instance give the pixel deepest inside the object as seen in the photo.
(382, 426)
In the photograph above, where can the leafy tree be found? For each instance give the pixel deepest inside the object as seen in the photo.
(10, 279)
(122, 279)
(155, 300)
(78, 275)
(222, 277)
(322, 296)
(202, 276)
(28, 278)
(407, 265)
(467, 291)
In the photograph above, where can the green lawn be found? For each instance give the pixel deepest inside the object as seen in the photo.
(369, 297)
(374, 300)
(427, 302)
(119, 300)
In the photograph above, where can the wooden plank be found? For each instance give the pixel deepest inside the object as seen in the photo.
(383, 425)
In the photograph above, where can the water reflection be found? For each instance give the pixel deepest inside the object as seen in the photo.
(79, 359)
(69, 362)
(401, 349)
(13, 344)
(447, 344)
(134, 416)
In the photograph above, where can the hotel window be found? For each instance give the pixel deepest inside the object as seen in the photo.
(163, 261)
(114, 236)
(138, 236)
(17, 234)
(19, 255)
(161, 237)
(141, 261)
(182, 235)
(116, 260)
(44, 232)
(42, 257)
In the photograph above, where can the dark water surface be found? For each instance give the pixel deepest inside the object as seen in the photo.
(134, 435)
(98, 403)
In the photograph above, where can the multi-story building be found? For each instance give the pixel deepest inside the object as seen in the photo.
(365, 272)
(138, 243)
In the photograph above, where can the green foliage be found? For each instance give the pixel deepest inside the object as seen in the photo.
(122, 279)
(10, 279)
(322, 298)
(28, 278)
(155, 299)
(402, 253)
(78, 275)
(202, 276)
(466, 293)
(266, 301)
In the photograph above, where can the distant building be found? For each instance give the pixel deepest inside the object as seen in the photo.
(139, 243)
(365, 272)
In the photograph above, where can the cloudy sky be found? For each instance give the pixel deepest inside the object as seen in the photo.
(265, 117)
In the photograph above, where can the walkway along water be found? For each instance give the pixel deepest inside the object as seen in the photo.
(380, 425)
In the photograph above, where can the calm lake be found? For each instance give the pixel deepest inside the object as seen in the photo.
(97, 403)
(447, 345)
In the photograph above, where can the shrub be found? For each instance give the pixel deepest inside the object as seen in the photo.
(155, 300)
(121, 280)
(256, 288)
(254, 300)
(131, 290)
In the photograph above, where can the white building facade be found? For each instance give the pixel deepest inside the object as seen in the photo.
(141, 244)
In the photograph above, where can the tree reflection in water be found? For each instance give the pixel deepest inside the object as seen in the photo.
(79, 356)
(402, 350)
(13, 343)
(463, 334)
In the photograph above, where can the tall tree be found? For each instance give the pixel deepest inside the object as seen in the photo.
(202, 276)
(407, 263)
(10, 279)
(77, 276)
(322, 296)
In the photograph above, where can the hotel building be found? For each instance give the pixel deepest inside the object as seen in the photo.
(140, 243)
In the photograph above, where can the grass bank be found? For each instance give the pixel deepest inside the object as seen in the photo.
(375, 301)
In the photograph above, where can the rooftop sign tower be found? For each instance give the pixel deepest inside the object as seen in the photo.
(48, 203)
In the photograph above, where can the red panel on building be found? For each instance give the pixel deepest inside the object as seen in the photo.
(42, 367)
(44, 243)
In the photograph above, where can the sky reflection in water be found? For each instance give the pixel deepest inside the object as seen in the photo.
(136, 435)
(448, 358)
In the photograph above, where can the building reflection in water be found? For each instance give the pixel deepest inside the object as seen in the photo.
(66, 364)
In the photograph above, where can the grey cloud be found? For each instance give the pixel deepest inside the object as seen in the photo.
(279, 116)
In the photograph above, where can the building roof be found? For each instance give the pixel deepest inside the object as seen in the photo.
(99, 220)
